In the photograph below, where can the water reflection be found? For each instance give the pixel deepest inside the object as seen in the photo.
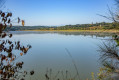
(48, 50)
(97, 34)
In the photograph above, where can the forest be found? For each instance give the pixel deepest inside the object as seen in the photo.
(92, 26)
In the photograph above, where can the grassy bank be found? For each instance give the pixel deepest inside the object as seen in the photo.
(110, 31)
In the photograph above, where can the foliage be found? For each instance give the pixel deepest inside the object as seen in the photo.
(96, 26)
(9, 68)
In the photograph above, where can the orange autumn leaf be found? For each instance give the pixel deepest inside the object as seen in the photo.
(1, 71)
(11, 60)
(21, 54)
(6, 59)
(25, 50)
(23, 22)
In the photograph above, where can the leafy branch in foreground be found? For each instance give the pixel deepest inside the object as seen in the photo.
(10, 69)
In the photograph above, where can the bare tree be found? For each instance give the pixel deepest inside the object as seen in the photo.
(113, 15)
(109, 56)
(2, 2)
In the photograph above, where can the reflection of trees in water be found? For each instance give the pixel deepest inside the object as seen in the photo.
(9, 68)
(97, 34)
(92, 34)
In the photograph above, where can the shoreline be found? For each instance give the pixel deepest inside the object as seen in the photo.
(109, 31)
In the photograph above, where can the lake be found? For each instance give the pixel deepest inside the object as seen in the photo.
(49, 53)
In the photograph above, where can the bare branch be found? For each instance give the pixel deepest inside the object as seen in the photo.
(2, 2)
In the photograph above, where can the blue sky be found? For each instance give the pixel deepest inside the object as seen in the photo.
(59, 12)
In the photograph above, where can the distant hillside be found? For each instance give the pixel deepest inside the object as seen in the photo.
(15, 28)
(96, 26)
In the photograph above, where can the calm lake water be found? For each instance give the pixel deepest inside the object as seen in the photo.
(48, 53)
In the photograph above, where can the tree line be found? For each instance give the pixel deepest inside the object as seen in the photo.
(92, 26)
